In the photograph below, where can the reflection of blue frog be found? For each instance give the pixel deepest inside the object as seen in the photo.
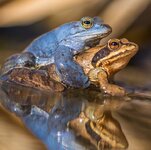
(50, 127)
(60, 45)
(56, 117)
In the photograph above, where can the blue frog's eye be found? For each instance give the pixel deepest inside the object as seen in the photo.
(87, 22)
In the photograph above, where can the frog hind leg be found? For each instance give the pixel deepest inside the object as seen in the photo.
(69, 71)
(107, 87)
(26, 59)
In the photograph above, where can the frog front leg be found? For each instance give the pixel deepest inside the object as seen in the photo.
(69, 71)
(101, 76)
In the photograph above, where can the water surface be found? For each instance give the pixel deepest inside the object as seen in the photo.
(82, 120)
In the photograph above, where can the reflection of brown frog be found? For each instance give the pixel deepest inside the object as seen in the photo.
(99, 63)
(96, 123)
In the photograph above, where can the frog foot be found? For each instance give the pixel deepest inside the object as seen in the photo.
(108, 88)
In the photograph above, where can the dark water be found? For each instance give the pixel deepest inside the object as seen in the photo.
(82, 120)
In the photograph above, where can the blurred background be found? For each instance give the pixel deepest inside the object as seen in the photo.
(23, 20)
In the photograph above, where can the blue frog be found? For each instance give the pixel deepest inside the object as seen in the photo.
(60, 45)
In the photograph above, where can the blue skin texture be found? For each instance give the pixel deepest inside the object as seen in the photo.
(60, 45)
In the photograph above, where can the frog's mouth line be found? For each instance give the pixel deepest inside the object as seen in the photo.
(92, 42)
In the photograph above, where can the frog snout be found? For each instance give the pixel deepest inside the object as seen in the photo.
(133, 47)
(106, 28)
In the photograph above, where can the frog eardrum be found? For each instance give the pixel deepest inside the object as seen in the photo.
(87, 22)
(114, 44)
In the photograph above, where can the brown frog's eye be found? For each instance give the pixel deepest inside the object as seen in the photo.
(87, 22)
(114, 44)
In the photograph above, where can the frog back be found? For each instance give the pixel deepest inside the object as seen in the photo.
(43, 46)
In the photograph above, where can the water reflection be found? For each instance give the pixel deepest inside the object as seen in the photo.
(78, 119)
(70, 120)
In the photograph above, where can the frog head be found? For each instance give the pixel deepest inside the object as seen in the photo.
(115, 55)
(84, 33)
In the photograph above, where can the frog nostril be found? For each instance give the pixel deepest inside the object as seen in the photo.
(124, 40)
(98, 20)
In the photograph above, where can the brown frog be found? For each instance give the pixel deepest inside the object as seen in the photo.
(99, 64)
(102, 62)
